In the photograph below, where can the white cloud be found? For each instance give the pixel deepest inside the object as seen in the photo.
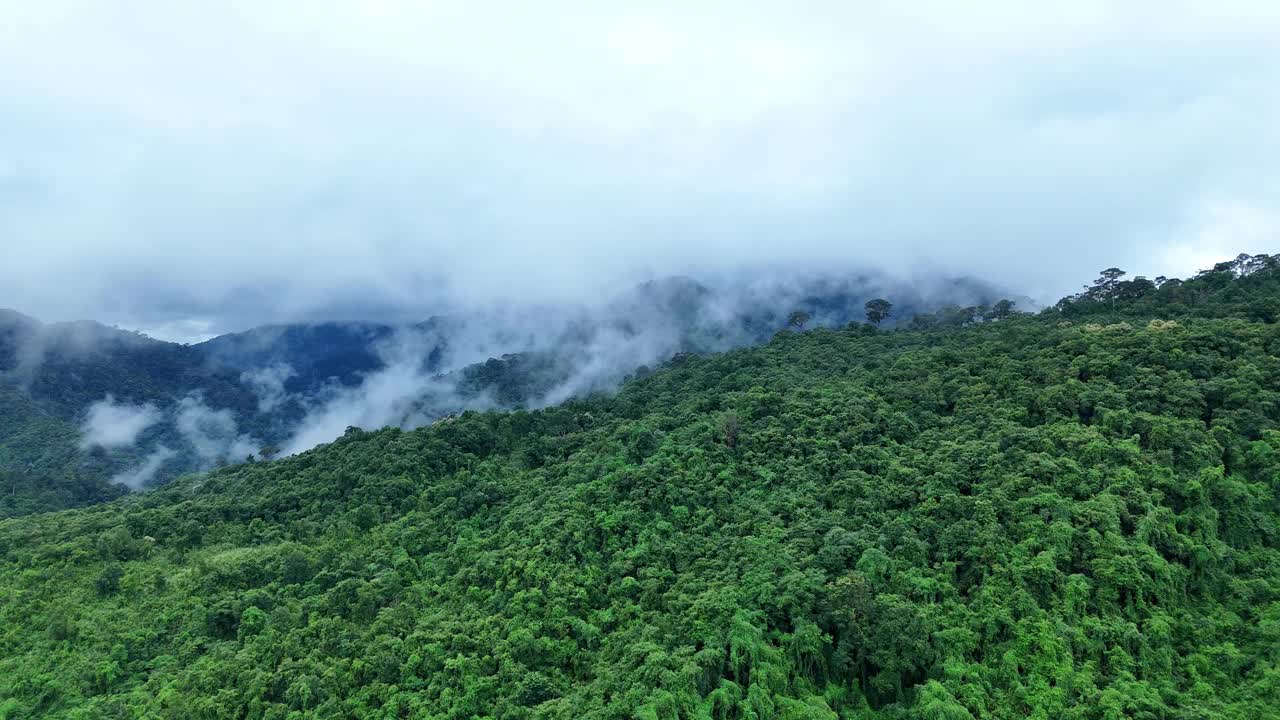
(136, 478)
(1218, 232)
(213, 434)
(110, 424)
(268, 384)
(353, 157)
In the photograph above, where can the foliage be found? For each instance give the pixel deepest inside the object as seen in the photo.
(41, 464)
(877, 310)
(51, 374)
(1024, 519)
(1243, 288)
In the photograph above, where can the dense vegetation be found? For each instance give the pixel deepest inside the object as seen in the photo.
(1071, 515)
(315, 354)
(68, 366)
(41, 464)
(253, 390)
(49, 376)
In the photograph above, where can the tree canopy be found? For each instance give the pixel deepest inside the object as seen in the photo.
(878, 310)
(1071, 514)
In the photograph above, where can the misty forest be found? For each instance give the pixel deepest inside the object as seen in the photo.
(90, 411)
(580, 360)
(834, 502)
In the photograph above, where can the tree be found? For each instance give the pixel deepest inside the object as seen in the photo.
(1133, 289)
(268, 452)
(797, 319)
(1001, 310)
(641, 442)
(729, 427)
(108, 583)
(877, 310)
(297, 568)
(1104, 288)
(1109, 277)
(252, 622)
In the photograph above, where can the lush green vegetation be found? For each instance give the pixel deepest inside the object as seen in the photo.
(1070, 515)
(66, 367)
(50, 375)
(41, 464)
(263, 381)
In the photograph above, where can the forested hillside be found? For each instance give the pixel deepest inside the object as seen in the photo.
(1066, 515)
(218, 402)
(41, 464)
(51, 375)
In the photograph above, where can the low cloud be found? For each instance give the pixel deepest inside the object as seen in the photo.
(536, 359)
(405, 392)
(421, 157)
(268, 384)
(137, 478)
(212, 434)
(110, 424)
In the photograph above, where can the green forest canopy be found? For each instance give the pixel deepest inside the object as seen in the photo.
(1065, 515)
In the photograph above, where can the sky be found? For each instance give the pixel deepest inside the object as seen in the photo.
(191, 168)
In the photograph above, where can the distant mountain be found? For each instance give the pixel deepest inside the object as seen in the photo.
(315, 354)
(67, 366)
(52, 376)
(163, 409)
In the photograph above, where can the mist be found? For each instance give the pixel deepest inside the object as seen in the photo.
(268, 384)
(518, 358)
(137, 478)
(110, 424)
(382, 398)
(212, 434)
(395, 161)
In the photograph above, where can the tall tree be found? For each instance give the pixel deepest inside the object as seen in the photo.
(1104, 288)
(877, 310)
(1001, 310)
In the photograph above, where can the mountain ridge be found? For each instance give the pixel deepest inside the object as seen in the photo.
(289, 386)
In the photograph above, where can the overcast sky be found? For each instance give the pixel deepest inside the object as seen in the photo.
(193, 167)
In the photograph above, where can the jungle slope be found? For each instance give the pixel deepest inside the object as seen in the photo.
(1032, 517)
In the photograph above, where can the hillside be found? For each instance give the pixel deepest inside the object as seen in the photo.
(218, 402)
(315, 354)
(51, 377)
(68, 366)
(42, 466)
(1066, 515)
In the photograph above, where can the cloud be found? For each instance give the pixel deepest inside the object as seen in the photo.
(138, 477)
(391, 160)
(115, 425)
(540, 357)
(212, 434)
(395, 394)
(1217, 231)
(268, 384)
